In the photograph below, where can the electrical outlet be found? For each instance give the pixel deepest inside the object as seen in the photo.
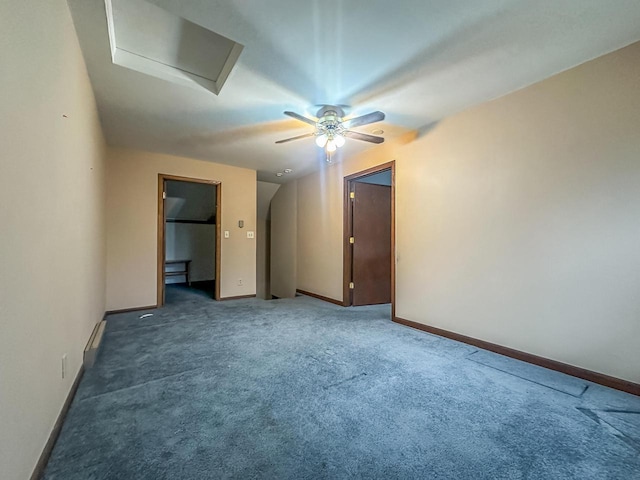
(64, 365)
(249, 234)
(239, 282)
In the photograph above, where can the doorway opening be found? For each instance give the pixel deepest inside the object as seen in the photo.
(188, 236)
(369, 237)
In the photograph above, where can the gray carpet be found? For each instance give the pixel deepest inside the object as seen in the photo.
(301, 389)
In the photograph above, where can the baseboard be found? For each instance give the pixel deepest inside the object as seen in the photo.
(134, 309)
(591, 376)
(321, 297)
(38, 471)
(94, 344)
(239, 297)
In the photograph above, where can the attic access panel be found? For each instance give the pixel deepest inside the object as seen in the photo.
(148, 39)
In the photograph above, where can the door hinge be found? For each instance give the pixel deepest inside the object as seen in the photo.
(164, 195)
(352, 240)
(351, 286)
(352, 194)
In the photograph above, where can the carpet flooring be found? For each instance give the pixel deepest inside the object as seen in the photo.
(303, 389)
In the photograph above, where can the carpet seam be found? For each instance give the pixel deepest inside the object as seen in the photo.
(138, 385)
(527, 379)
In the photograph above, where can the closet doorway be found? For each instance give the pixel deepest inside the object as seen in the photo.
(188, 235)
(369, 237)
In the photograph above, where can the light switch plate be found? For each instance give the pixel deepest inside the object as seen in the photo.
(226, 234)
(249, 234)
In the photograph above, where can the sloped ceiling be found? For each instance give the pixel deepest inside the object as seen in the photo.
(417, 60)
(195, 201)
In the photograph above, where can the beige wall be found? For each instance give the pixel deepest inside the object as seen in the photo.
(266, 191)
(263, 259)
(52, 251)
(283, 241)
(132, 197)
(517, 220)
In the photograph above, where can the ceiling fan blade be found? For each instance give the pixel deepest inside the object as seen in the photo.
(363, 136)
(301, 118)
(364, 119)
(296, 138)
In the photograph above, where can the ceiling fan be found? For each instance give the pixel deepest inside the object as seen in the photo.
(331, 128)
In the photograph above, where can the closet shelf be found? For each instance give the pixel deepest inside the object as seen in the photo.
(198, 222)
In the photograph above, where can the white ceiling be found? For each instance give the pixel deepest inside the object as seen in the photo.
(416, 60)
(168, 47)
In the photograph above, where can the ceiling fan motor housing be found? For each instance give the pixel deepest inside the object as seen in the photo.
(330, 121)
(330, 110)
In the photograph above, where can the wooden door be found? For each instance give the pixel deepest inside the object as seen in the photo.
(371, 254)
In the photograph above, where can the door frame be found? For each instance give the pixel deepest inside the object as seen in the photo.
(347, 297)
(162, 222)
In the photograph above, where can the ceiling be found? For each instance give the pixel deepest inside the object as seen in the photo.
(416, 60)
(197, 200)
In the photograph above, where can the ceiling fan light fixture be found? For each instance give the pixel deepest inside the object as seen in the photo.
(331, 146)
(321, 140)
(338, 140)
